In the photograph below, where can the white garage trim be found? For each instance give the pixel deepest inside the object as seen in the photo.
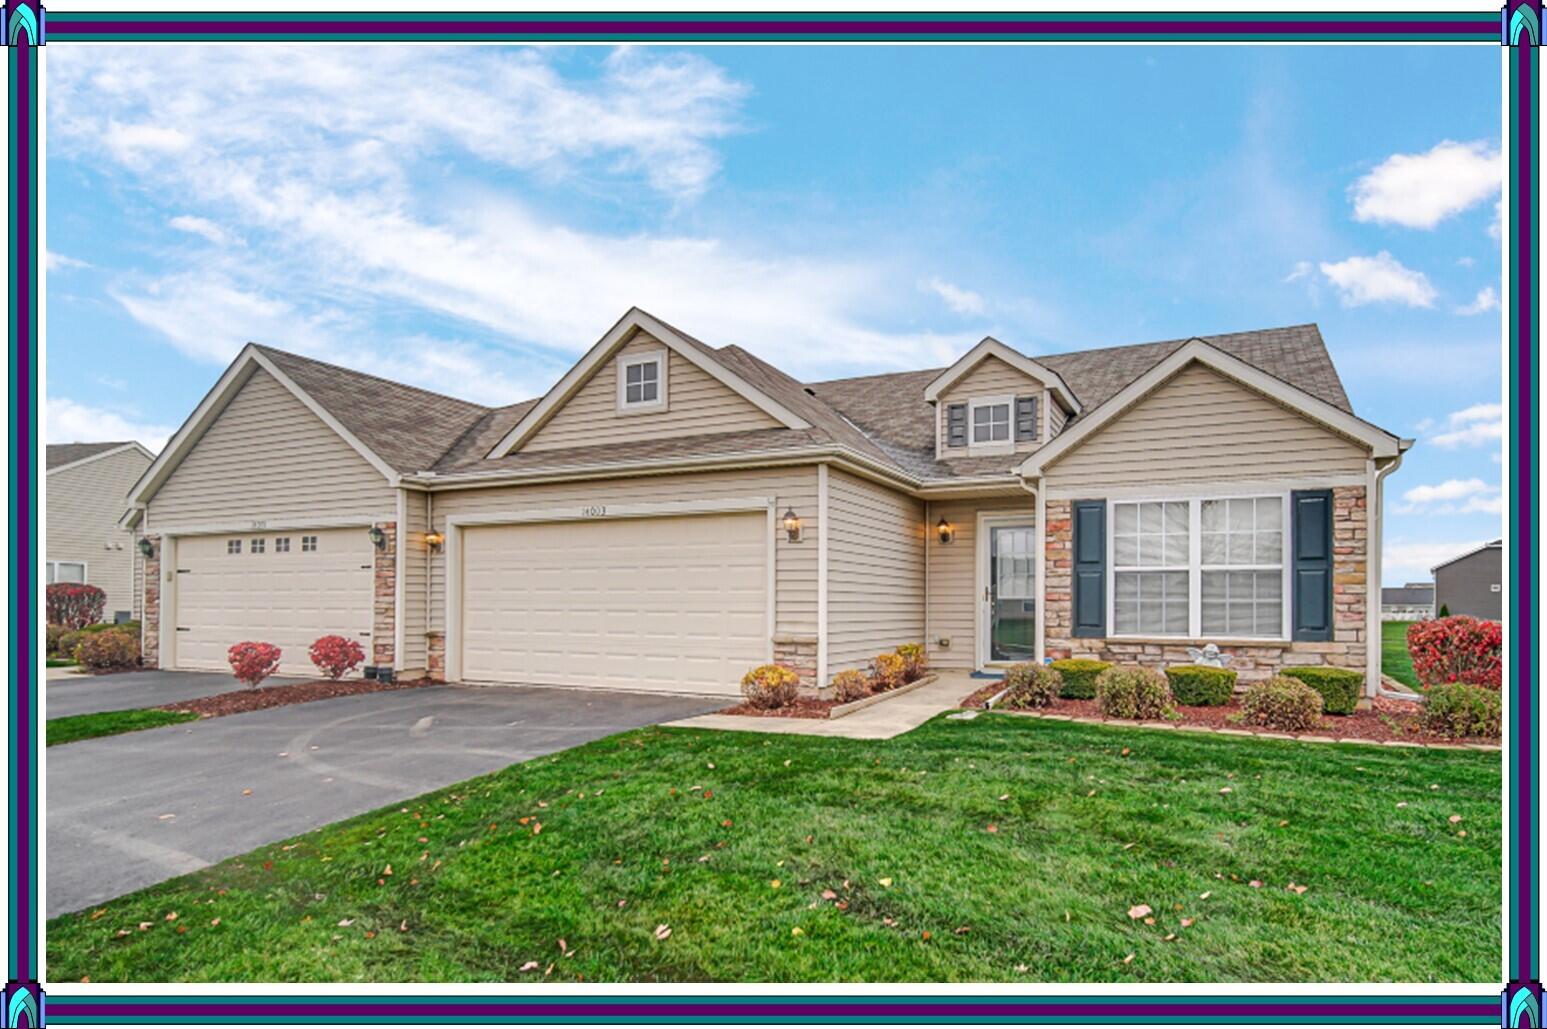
(591, 512)
(399, 586)
(271, 525)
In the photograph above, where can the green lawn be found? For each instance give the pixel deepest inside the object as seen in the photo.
(111, 723)
(1002, 848)
(58, 662)
(1394, 659)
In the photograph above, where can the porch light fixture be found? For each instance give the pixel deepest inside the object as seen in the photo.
(147, 547)
(946, 532)
(435, 540)
(792, 525)
(378, 537)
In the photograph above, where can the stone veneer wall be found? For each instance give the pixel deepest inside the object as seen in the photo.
(797, 653)
(435, 655)
(150, 608)
(384, 606)
(1350, 594)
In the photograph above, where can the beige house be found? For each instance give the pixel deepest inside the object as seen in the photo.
(84, 490)
(670, 514)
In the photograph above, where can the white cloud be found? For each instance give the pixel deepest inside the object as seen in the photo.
(962, 301)
(55, 262)
(201, 227)
(1453, 496)
(66, 421)
(1379, 279)
(1301, 270)
(1421, 190)
(1450, 489)
(1472, 426)
(1411, 561)
(1487, 300)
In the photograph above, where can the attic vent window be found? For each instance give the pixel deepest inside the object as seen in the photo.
(642, 381)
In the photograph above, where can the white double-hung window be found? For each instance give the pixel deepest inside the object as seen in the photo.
(989, 425)
(642, 381)
(1200, 567)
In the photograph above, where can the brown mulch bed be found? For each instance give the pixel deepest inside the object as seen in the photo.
(804, 707)
(1388, 719)
(238, 701)
(979, 697)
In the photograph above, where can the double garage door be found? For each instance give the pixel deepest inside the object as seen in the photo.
(285, 588)
(667, 603)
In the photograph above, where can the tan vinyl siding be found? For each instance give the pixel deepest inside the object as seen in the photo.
(696, 403)
(991, 378)
(1200, 426)
(269, 458)
(84, 504)
(1057, 419)
(416, 579)
(795, 563)
(875, 570)
(953, 575)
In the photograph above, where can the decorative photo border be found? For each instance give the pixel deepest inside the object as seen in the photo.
(1517, 27)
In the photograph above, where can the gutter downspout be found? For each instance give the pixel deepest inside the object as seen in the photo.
(1375, 563)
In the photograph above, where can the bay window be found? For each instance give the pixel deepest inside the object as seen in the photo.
(1198, 568)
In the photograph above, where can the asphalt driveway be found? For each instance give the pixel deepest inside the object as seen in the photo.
(86, 694)
(128, 811)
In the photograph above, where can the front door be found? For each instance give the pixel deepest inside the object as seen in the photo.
(1009, 618)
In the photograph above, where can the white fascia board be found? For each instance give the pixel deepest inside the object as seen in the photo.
(604, 348)
(1381, 443)
(1494, 545)
(991, 347)
(99, 456)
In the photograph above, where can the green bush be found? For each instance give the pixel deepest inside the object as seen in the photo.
(1029, 685)
(849, 685)
(1133, 692)
(1079, 675)
(1282, 703)
(131, 627)
(770, 686)
(1459, 709)
(108, 651)
(1201, 685)
(915, 661)
(55, 633)
(69, 640)
(1339, 687)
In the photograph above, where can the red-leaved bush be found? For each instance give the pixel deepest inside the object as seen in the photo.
(1457, 649)
(336, 656)
(74, 605)
(251, 663)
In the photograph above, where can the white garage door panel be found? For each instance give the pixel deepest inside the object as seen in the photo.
(672, 603)
(285, 598)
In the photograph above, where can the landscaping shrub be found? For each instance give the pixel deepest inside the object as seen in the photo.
(55, 633)
(1133, 692)
(108, 651)
(770, 686)
(1460, 709)
(69, 640)
(1201, 685)
(1339, 687)
(849, 685)
(888, 671)
(132, 627)
(74, 605)
(1079, 675)
(1459, 649)
(915, 661)
(336, 656)
(252, 662)
(1282, 703)
(1031, 685)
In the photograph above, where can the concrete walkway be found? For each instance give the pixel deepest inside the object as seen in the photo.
(882, 721)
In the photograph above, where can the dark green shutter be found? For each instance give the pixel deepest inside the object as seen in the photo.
(956, 425)
(1311, 525)
(1025, 418)
(1090, 567)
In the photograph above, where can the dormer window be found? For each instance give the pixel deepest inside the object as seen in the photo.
(642, 381)
(989, 427)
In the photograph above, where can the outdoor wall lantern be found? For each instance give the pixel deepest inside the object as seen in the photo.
(147, 547)
(379, 537)
(792, 525)
(946, 531)
(435, 540)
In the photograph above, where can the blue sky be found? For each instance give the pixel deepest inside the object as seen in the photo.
(471, 219)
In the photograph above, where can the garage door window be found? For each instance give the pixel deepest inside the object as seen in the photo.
(257, 546)
(282, 544)
(308, 543)
(233, 546)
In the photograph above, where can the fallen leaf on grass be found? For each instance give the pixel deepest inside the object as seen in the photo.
(1187, 923)
(144, 926)
(171, 916)
(1139, 911)
(1255, 884)
(797, 931)
(345, 922)
(528, 966)
(1169, 937)
(1454, 819)
(214, 921)
(1205, 895)
(662, 931)
(887, 882)
(829, 895)
(1128, 960)
(1225, 789)
(775, 883)
(991, 828)
(1296, 888)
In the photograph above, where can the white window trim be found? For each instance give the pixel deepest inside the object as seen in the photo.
(1194, 568)
(627, 361)
(1004, 446)
(53, 567)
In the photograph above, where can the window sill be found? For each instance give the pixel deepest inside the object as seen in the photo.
(1190, 641)
(626, 409)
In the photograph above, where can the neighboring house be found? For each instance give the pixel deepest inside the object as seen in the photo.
(670, 514)
(85, 488)
(1472, 583)
(1411, 603)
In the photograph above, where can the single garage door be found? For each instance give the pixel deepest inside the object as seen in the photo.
(670, 603)
(285, 588)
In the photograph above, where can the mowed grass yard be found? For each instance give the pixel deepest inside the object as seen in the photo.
(1394, 658)
(1001, 848)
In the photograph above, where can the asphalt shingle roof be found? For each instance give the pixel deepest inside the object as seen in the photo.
(57, 454)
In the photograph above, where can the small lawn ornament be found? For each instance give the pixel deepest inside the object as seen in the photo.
(1208, 656)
